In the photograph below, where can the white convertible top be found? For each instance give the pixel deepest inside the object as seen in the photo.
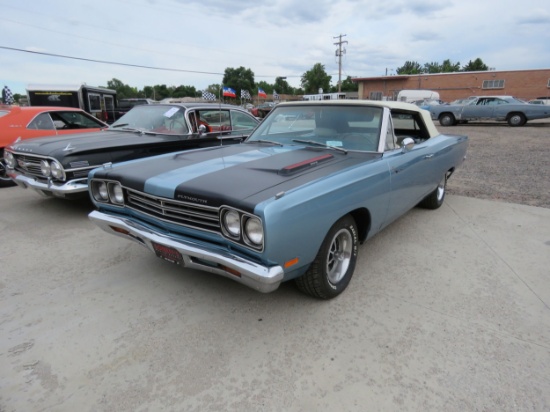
(409, 107)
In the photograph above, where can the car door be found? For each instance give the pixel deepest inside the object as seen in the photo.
(483, 109)
(410, 174)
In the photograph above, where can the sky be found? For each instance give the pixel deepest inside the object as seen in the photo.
(192, 42)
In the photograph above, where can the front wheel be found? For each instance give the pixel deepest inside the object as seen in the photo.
(332, 269)
(516, 119)
(447, 119)
(435, 199)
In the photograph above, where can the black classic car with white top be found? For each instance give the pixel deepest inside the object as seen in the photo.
(59, 165)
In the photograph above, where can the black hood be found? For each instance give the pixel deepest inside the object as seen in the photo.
(245, 173)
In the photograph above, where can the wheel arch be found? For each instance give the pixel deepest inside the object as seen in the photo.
(362, 219)
(517, 113)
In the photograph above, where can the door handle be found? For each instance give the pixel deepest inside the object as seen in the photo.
(429, 156)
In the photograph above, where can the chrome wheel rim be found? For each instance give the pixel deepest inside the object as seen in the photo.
(441, 190)
(515, 120)
(339, 256)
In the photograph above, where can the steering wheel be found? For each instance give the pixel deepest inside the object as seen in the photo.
(175, 122)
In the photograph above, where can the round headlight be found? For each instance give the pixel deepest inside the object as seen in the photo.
(100, 191)
(45, 168)
(57, 170)
(254, 230)
(116, 194)
(232, 223)
(9, 160)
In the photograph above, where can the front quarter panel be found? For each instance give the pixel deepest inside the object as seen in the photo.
(297, 222)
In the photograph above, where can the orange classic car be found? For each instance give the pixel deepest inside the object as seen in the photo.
(38, 121)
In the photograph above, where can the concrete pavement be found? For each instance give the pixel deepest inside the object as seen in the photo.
(448, 310)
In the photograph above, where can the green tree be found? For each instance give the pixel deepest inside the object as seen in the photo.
(123, 91)
(214, 89)
(448, 67)
(348, 85)
(433, 67)
(239, 79)
(315, 79)
(282, 86)
(410, 67)
(184, 91)
(475, 66)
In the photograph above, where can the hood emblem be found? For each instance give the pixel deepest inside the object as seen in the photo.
(192, 199)
(69, 147)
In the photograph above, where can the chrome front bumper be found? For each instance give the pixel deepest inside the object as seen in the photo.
(67, 189)
(195, 256)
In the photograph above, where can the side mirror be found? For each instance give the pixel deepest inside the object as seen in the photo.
(202, 129)
(407, 144)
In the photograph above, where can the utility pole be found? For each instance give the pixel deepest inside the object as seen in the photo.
(339, 53)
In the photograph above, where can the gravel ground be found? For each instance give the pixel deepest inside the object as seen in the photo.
(507, 164)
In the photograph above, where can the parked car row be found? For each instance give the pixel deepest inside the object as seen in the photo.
(59, 166)
(290, 202)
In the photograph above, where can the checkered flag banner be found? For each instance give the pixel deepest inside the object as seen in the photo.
(245, 94)
(208, 96)
(7, 96)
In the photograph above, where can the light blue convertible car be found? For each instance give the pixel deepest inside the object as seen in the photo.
(292, 202)
(497, 108)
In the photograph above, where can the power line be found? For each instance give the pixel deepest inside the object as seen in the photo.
(120, 63)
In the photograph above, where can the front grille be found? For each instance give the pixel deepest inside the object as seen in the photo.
(181, 213)
(29, 164)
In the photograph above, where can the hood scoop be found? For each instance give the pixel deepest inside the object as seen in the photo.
(305, 164)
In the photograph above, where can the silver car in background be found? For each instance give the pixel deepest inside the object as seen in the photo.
(498, 108)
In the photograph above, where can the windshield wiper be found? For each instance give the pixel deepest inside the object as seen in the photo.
(266, 141)
(314, 143)
(140, 131)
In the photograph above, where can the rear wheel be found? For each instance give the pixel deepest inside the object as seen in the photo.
(332, 269)
(435, 199)
(516, 119)
(447, 119)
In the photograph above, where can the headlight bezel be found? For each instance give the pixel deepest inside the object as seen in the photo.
(9, 159)
(116, 193)
(45, 168)
(109, 192)
(250, 232)
(253, 236)
(57, 171)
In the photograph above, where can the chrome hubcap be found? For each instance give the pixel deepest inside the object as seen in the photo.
(441, 190)
(339, 256)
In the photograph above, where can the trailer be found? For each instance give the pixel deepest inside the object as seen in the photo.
(324, 96)
(415, 95)
(98, 101)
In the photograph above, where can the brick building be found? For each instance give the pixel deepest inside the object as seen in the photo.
(524, 84)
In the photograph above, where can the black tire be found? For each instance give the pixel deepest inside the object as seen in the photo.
(331, 271)
(447, 119)
(435, 199)
(516, 119)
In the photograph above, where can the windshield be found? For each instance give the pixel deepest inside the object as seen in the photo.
(154, 118)
(347, 127)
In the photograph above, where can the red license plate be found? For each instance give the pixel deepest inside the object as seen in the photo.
(168, 253)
